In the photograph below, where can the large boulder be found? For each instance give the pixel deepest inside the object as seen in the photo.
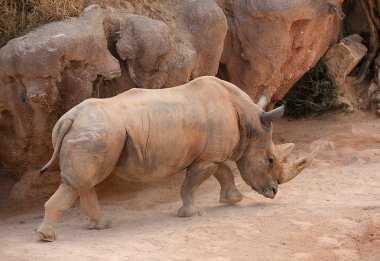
(159, 56)
(163, 45)
(271, 44)
(42, 75)
(144, 44)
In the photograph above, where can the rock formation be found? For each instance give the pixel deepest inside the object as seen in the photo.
(271, 44)
(261, 46)
(343, 57)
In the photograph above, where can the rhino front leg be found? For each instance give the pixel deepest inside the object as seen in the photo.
(90, 205)
(229, 194)
(196, 174)
(61, 200)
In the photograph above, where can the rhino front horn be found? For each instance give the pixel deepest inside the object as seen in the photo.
(291, 170)
(266, 118)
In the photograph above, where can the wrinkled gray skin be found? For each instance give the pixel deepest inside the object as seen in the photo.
(145, 135)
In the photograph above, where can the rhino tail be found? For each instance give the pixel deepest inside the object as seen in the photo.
(59, 132)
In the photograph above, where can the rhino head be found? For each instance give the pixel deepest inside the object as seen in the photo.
(263, 165)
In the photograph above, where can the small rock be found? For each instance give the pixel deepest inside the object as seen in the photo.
(351, 39)
(344, 103)
(372, 88)
(376, 99)
(342, 58)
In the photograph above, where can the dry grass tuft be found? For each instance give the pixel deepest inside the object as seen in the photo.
(53, 10)
(19, 16)
(11, 19)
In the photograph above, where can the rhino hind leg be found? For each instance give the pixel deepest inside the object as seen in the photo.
(61, 200)
(196, 174)
(229, 194)
(90, 205)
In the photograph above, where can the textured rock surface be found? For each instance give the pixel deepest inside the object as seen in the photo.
(271, 44)
(42, 75)
(158, 56)
(262, 46)
(343, 57)
(144, 43)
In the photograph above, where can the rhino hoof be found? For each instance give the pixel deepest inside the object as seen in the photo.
(45, 234)
(230, 200)
(99, 224)
(231, 196)
(190, 212)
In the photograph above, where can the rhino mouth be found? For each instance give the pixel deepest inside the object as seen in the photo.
(269, 191)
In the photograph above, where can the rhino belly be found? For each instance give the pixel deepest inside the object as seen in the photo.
(142, 172)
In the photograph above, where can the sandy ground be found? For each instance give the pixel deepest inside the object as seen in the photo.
(330, 212)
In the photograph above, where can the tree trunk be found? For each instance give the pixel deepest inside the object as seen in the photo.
(371, 10)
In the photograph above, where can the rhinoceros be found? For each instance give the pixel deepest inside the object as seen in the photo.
(148, 134)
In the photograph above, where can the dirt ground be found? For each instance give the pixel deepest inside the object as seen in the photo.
(329, 212)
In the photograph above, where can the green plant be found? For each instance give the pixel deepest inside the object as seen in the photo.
(375, 99)
(313, 94)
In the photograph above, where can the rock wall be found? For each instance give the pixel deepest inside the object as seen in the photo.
(262, 46)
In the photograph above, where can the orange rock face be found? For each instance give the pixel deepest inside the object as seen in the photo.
(271, 44)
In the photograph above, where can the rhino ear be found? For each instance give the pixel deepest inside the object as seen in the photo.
(266, 118)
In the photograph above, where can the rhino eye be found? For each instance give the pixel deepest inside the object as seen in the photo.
(271, 161)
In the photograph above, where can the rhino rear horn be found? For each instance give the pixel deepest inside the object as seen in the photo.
(263, 102)
(266, 118)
